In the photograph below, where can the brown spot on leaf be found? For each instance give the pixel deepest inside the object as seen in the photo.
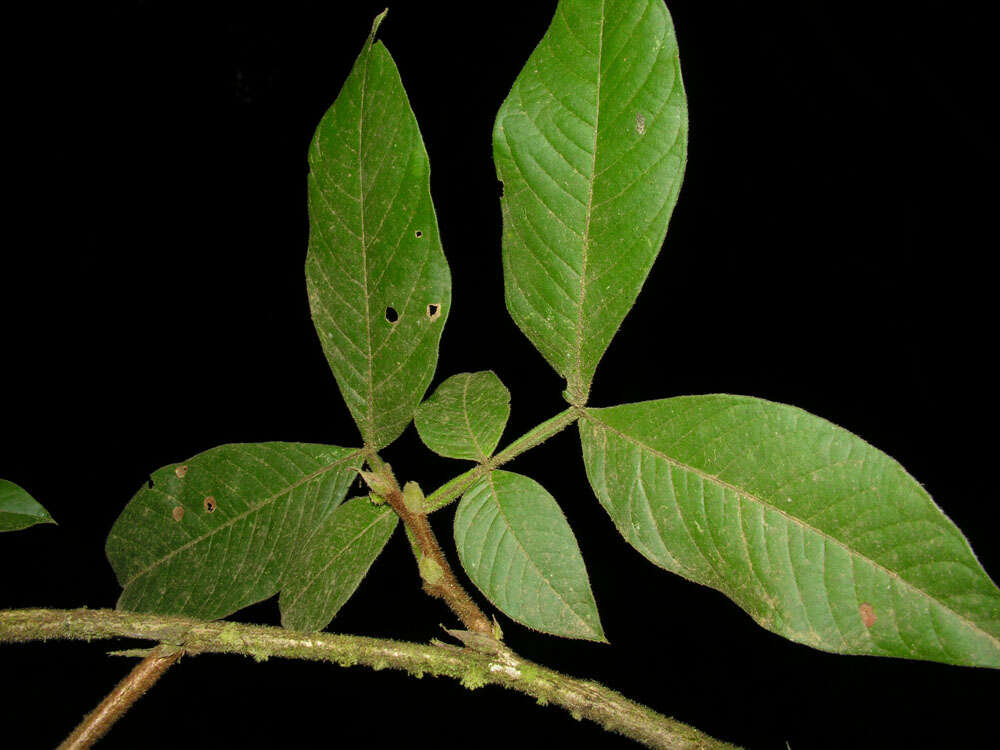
(210, 504)
(867, 614)
(180, 471)
(178, 513)
(433, 311)
(640, 123)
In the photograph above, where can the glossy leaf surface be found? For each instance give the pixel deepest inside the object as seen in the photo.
(465, 416)
(216, 533)
(379, 285)
(590, 145)
(332, 563)
(517, 547)
(816, 534)
(18, 509)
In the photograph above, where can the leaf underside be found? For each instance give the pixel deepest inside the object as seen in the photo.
(819, 536)
(465, 416)
(333, 562)
(216, 533)
(518, 548)
(590, 145)
(18, 509)
(379, 285)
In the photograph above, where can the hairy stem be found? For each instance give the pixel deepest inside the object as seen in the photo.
(582, 698)
(454, 488)
(439, 579)
(145, 674)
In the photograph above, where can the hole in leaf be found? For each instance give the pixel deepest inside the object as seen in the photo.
(210, 504)
(418, 234)
(433, 311)
(180, 471)
(391, 315)
(149, 483)
(178, 513)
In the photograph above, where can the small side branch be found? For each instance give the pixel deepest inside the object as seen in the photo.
(439, 579)
(582, 698)
(145, 674)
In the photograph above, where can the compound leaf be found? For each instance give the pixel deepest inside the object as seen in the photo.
(379, 285)
(18, 509)
(518, 548)
(590, 145)
(216, 533)
(465, 416)
(820, 537)
(333, 562)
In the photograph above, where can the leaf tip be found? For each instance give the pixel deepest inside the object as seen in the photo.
(19, 510)
(595, 633)
(375, 24)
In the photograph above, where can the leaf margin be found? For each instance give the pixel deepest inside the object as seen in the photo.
(534, 317)
(173, 475)
(291, 617)
(431, 416)
(866, 614)
(590, 627)
(17, 503)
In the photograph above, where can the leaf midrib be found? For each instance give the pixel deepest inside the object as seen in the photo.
(368, 436)
(797, 521)
(267, 501)
(578, 337)
(468, 425)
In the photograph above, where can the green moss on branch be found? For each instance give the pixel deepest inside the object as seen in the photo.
(582, 698)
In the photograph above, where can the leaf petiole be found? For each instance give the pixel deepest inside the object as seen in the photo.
(455, 487)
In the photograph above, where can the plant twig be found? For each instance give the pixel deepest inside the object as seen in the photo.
(439, 579)
(145, 674)
(582, 698)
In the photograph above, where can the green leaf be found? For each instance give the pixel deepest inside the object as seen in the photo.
(591, 145)
(216, 533)
(379, 285)
(18, 509)
(465, 417)
(517, 547)
(332, 563)
(816, 534)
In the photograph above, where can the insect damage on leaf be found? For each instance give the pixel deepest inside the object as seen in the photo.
(256, 502)
(704, 486)
(868, 616)
(375, 257)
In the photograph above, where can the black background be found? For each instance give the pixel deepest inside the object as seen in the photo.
(829, 250)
